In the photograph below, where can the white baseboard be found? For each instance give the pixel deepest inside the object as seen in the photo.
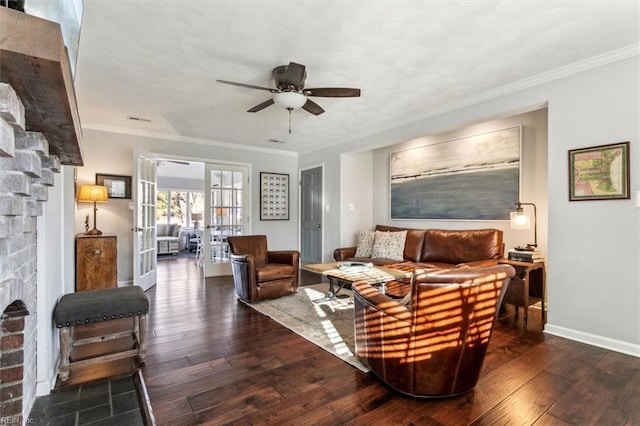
(594, 340)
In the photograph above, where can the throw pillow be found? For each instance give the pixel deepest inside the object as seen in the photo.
(389, 245)
(162, 229)
(365, 243)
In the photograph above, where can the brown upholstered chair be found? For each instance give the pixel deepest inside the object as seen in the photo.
(259, 273)
(435, 345)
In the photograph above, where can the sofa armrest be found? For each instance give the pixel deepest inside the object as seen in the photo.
(344, 253)
(478, 263)
(286, 257)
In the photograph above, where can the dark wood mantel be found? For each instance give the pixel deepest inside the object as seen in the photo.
(34, 61)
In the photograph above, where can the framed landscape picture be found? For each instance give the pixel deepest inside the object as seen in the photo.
(599, 172)
(471, 178)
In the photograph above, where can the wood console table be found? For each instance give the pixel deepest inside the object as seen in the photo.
(527, 286)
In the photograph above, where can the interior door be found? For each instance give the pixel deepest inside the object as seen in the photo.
(227, 197)
(144, 220)
(311, 215)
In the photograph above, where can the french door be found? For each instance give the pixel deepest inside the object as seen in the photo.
(226, 197)
(144, 222)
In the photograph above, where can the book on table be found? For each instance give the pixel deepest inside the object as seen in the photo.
(530, 256)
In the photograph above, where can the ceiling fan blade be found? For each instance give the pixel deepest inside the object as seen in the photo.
(333, 92)
(295, 75)
(312, 107)
(248, 86)
(261, 106)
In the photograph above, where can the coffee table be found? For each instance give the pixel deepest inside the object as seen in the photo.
(339, 276)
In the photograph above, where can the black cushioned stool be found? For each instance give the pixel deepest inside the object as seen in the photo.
(92, 306)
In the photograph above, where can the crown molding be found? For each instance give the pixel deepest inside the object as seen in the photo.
(546, 77)
(189, 139)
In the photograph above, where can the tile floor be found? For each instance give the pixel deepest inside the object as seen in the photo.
(107, 402)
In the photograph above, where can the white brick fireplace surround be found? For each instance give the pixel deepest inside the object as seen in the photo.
(26, 173)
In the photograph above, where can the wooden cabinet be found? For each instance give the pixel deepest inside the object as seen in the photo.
(96, 262)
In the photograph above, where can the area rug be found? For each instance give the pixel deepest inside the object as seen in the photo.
(325, 323)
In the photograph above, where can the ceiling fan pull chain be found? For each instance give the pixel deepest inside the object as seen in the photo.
(289, 109)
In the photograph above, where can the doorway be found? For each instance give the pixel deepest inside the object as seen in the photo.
(311, 215)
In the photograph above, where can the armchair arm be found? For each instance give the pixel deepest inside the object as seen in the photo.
(286, 257)
(244, 275)
(344, 253)
(382, 303)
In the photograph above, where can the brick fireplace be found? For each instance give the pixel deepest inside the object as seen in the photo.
(26, 173)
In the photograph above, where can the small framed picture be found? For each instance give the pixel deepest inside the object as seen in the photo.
(274, 196)
(599, 172)
(117, 186)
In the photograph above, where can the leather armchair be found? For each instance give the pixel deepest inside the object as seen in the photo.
(259, 273)
(435, 345)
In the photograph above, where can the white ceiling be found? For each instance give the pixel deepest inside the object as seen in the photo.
(159, 60)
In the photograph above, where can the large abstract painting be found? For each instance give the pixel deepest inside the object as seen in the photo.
(472, 178)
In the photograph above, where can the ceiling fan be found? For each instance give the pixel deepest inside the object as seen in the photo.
(290, 92)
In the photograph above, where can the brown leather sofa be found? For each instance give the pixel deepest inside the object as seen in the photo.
(259, 273)
(434, 346)
(438, 248)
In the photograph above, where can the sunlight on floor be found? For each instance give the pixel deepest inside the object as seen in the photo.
(334, 305)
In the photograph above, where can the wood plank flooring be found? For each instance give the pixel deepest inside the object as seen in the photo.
(214, 360)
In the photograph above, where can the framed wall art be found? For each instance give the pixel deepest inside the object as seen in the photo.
(472, 178)
(274, 196)
(599, 172)
(117, 186)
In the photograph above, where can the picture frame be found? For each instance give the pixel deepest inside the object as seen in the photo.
(599, 172)
(475, 177)
(274, 196)
(118, 186)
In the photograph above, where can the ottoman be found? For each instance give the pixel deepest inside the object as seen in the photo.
(92, 306)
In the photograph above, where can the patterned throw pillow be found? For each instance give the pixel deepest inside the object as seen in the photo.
(389, 245)
(365, 243)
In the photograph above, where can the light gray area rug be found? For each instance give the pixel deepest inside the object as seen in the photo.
(327, 324)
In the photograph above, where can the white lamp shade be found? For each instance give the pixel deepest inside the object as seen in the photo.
(291, 100)
(196, 216)
(520, 220)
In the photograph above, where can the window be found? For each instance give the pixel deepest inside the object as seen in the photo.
(178, 206)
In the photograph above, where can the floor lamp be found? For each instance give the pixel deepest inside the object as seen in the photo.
(93, 194)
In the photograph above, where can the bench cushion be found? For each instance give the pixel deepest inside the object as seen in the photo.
(100, 305)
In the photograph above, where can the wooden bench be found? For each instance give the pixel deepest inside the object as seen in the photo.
(93, 306)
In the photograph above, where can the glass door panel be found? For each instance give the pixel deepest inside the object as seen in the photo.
(226, 196)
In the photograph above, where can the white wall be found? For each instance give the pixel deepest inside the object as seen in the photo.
(594, 255)
(112, 153)
(356, 213)
(593, 248)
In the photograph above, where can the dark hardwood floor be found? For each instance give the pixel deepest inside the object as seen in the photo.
(214, 360)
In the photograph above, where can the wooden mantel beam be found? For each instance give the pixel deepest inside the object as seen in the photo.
(34, 61)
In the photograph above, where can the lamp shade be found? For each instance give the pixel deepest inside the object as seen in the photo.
(291, 100)
(93, 194)
(196, 216)
(520, 220)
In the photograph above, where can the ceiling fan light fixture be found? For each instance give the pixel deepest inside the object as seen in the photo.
(291, 100)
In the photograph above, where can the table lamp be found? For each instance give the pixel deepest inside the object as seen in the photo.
(196, 217)
(520, 220)
(93, 194)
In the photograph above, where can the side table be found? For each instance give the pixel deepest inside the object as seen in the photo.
(527, 286)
